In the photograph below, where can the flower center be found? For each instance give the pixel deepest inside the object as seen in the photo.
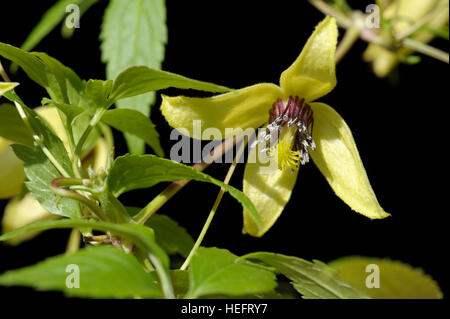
(288, 137)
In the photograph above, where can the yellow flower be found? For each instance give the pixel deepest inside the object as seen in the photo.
(289, 110)
(402, 15)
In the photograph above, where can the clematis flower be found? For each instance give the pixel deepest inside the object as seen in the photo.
(306, 129)
(402, 15)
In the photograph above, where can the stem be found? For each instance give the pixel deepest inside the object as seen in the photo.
(74, 242)
(426, 49)
(56, 186)
(3, 73)
(214, 208)
(172, 189)
(38, 141)
(341, 18)
(350, 37)
(79, 148)
(164, 277)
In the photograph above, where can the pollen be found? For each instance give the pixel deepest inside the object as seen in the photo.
(287, 157)
(288, 136)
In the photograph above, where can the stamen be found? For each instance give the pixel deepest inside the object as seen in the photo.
(293, 121)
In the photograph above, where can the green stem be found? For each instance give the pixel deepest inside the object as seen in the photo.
(79, 148)
(57, 186)
(350, 37)
(3, 73)
(38, 141)
(172, 189)
(214, 208)
(74, 242)
(164, 277)
(326, 9)
(426, 49)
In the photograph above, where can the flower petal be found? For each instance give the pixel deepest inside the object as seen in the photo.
(244, 108)
(312, 75)
(269, 189)
(21, 212)
(12, 175)
(7, 86)
(338, 159)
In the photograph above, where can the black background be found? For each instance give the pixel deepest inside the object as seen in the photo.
(399, 126)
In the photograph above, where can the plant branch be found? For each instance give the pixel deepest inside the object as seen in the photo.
(426, 49)
(172, 189)
(57, 186)
(215, 206)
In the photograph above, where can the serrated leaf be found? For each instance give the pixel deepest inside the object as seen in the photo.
(140, 235)
(180, 281)
(397, 280)
(173, 238)
(12, 126)
(131, 172)
(135, 123)
(40, 172)
(134, 33)
(104, 272)
(314, 280)
(216, 271)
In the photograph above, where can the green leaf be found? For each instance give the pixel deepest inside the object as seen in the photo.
(140, 235)
(32, 66)
(7, 86)
(180, 281)
(97, 93)
(12, 126)
(50, 20)
(61, 83)
(64, 84)
(40, 173)
(104, 272)
(216, 271)
(135, 123)
(134, 33)
(314, 280)
(173, 238)
(131, 172)
(69, 111)
(39, 169)
(140, 79)
(112, 207)
(397, 280)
